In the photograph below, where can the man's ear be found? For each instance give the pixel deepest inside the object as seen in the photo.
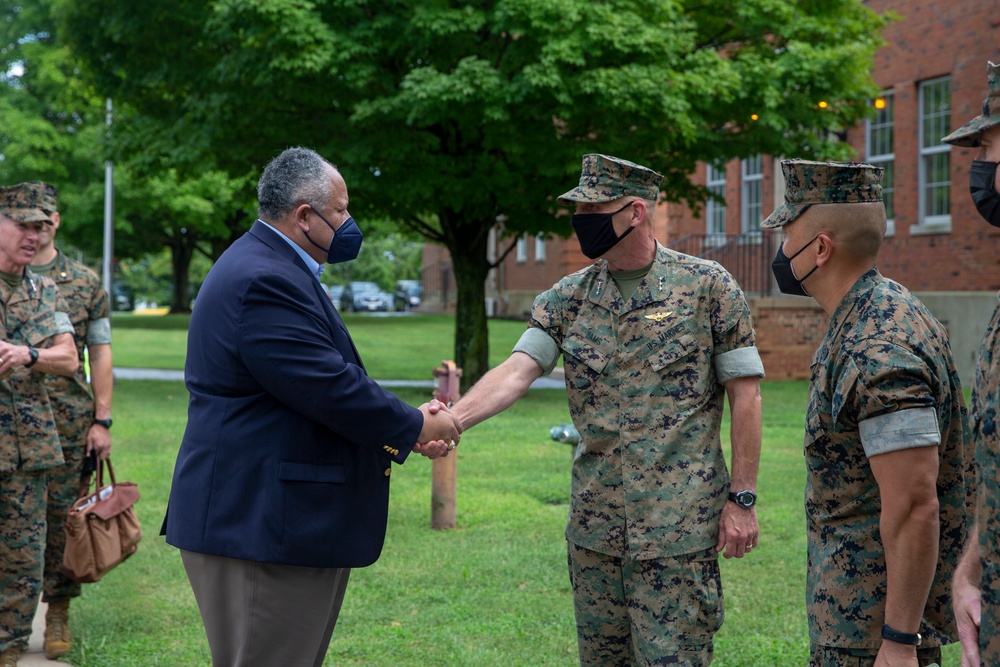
(300, 216)
(824, 248)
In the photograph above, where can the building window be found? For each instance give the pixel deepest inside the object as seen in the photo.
(881, 149)
(540, 248)
(522, 249)
(751, 204)
(715, 211)
(935, 157)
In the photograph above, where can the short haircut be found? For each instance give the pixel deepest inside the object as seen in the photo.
(858, 227)
(297, 176)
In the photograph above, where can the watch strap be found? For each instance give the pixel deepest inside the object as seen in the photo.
(33, 353)
(106, 423)
(894, 635)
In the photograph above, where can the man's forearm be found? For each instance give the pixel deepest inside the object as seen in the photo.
(745, 432)
(101, 379)
(497, 390)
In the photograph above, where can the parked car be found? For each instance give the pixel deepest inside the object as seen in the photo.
(407, 294)
(361, 295)
(335, 292)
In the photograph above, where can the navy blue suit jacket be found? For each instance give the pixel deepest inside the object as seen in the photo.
(286, 456)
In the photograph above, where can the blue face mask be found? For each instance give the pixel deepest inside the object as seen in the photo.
(346, 242)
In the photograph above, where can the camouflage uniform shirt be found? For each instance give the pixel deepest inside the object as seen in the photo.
(644, 382)
(32, 315)
(88, 313)
(985, 418)
(883, 373)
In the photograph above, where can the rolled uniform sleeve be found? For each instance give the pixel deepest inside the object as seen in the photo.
(540, 346)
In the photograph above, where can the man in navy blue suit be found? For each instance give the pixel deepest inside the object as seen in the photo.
(282, 480)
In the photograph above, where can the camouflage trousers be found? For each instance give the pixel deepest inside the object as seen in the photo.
(63, 490)
(22, 541)
(830, 656)
(640, 613)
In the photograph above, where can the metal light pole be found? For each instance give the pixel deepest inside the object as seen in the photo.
(109, 218)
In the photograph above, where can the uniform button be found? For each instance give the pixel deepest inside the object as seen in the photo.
(388, 471)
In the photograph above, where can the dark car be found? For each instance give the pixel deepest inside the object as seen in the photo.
(335, 292)
(407, 294)
(360, 295)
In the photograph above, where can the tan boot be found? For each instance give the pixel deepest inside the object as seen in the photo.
(10, 656)
(57, 639)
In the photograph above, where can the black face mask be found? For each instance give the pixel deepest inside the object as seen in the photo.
(596, 231)
(781, 267)
(982, 179)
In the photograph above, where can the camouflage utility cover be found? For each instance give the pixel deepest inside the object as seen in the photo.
(808, 183)
(88, 311)
(605, 178)
(649, 476)
(33, 315)
(968, 135)
(883, 353)
(984, 414)
(26, 202)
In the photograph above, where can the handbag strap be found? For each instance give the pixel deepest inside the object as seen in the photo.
(100, 473)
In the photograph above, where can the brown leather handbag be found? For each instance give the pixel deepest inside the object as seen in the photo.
(101, 528)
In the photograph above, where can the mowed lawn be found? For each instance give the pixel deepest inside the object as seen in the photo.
(492, 592)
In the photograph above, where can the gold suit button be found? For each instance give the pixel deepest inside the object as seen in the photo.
(388, 471)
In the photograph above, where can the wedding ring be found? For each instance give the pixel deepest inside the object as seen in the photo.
(452, 445)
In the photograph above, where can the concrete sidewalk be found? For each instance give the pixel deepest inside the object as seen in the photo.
(35, 657)
(554, 381)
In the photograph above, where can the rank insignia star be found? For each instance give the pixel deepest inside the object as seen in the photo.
(659, 317)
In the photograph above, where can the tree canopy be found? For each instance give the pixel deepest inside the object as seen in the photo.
(451, 116)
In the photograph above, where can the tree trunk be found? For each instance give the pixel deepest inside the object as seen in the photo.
(180, 258)
(470, 264)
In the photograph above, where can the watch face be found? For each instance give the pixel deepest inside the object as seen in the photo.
(746, 498)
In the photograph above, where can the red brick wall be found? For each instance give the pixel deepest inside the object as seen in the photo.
(789, 329)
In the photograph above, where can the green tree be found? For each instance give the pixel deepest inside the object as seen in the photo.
(449, 116)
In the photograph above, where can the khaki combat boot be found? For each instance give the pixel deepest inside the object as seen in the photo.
(10, 656)
(57, 639)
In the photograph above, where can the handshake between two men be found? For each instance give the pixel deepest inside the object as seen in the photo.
(441, 432)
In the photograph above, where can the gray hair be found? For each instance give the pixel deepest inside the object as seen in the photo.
(297, 176)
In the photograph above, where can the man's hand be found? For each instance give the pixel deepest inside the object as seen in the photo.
(441, 431)
(738, 530)
(99, 440)
(966, 599)
(891, 654)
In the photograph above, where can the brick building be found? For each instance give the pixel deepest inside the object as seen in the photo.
(933, 74)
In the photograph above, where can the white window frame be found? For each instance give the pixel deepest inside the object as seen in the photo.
(884, 122)
(931, 148)
(715, 181)
(522, 248)
(540, 247)
(751, 181)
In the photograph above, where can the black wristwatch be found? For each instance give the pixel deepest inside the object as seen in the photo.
(895, 635)
(33, 353)
(745, 499)
(106, 423)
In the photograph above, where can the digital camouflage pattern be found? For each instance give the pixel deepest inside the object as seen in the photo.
(25, 202)
(808, 183)
(826, 656)
(674, 604)
(29, 445)
(644, 395)
(73, 405)
(29, 440)
(968, 135)
(605, 178)
(883, 352)
(22, 538)
(984, 416)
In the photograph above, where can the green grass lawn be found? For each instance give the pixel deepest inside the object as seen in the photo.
(492, 592)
